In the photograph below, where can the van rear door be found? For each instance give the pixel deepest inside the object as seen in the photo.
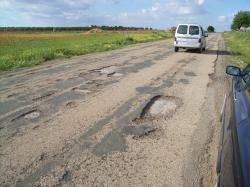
(181, 34)
(194, 35)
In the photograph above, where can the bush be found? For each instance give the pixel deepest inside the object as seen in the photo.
(210, 29)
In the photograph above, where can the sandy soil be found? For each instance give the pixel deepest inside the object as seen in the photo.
(138, 116)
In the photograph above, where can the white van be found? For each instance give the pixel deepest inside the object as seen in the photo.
(190, 36)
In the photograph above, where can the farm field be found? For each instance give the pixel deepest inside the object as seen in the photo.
(238, 43)
(25, 49)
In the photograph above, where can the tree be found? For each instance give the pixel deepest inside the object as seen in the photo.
(241, 19)
(172, 29)
(210, 28)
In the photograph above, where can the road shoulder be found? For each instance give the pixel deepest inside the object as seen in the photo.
(200, 167)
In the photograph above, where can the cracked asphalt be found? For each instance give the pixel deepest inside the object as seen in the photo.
(138, 116)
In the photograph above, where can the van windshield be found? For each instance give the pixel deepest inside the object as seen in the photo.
(182, 29)
(194, 30)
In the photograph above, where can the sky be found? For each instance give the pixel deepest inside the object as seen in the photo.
(160, 14)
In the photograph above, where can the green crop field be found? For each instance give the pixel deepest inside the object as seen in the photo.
(20, 49)
(239, 46)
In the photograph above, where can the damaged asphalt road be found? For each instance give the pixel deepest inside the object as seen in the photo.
(127, 117)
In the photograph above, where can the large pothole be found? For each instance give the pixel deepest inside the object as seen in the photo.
(161, 106)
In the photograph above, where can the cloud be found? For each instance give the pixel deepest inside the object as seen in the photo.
(185, 11)
(49, 12)
(222, 18)
(226, 18)
(146, 13)
(200, 2)
(161, 14)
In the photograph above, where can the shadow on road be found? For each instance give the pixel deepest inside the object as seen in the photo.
(215, 52)
(211, 52)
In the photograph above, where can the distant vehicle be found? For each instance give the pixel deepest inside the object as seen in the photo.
(190, 36)
(233, 163)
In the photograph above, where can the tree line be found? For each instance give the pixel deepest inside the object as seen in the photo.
(241, 21)
(58, 29)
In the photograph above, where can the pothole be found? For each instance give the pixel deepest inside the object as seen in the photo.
(82, 74)
(66, 177)
(44, 95)
(183, 62)
(115, 74)
(58, 80)
(85, 91)
(189, 73)
(161, 106)
(107, 70)
(98, 82)
(184, 81)
(71, 104)
(27, 114)
(12, 95)
(89, 82)
(32, 115)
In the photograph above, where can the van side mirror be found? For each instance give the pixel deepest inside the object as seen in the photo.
(233, 70)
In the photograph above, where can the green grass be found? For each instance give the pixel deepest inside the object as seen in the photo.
(21, 49)
(239, 46)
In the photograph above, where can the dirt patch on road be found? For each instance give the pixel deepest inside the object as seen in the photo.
(94, 31)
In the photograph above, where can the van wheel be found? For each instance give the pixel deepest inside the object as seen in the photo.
(176, 49)
(200, 50)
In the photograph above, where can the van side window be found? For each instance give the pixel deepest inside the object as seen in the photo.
(182, 29)
(246, 74)
(247, 92)
(194, 30)
(246, 78)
